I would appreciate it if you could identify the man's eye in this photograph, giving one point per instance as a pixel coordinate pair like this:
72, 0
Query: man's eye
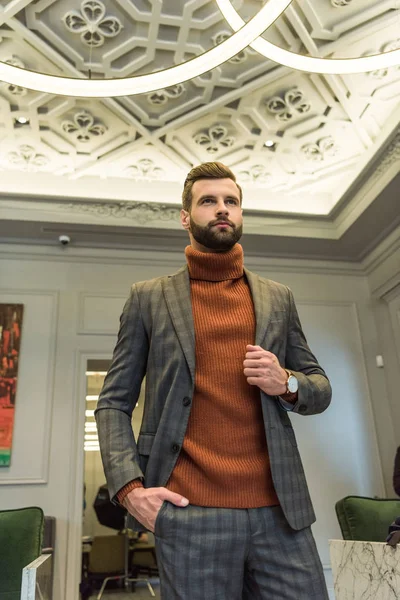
232, 201
207, 200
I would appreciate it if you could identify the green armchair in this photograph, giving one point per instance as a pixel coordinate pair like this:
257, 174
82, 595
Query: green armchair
21, 534
366, 519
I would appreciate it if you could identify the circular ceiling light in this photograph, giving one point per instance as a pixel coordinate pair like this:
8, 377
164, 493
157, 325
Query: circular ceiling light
333, 66
140, 84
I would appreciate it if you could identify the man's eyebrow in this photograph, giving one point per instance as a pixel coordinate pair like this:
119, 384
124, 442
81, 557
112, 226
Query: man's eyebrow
229, 197
206, 196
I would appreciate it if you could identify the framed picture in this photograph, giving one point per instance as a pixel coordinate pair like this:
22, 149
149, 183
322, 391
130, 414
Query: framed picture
10, 339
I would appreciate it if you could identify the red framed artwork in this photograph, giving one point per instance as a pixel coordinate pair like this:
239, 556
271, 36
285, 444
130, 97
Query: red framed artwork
10, 339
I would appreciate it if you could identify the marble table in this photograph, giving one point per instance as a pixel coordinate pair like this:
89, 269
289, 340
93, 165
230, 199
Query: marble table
365, 570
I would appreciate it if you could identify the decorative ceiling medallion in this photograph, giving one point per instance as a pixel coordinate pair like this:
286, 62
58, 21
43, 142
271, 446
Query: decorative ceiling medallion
163, 96
382, 73
140, 212
144, 169
16, 90
255, 174
83, 127
241, 57
214, 139
320, 150
27, 159
92, 24
340, 3
285, 107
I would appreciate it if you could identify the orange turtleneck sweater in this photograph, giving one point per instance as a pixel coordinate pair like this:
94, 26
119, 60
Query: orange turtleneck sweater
224, 457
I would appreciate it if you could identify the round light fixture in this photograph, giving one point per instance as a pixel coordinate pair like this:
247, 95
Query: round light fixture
22, 120
269, 143
334, 66
140, 84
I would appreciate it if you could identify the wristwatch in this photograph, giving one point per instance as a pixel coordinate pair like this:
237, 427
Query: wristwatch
292, 384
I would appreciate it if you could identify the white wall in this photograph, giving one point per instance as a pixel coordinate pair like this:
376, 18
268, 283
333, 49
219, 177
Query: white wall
383, 268
73, 299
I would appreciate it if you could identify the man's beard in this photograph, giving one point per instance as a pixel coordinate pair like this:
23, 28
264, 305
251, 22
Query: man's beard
216, 239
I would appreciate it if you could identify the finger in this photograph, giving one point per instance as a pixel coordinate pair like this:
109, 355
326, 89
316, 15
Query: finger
252, 348
253, 373
174, 498
253, 380
261, 354
255, 364
255, 354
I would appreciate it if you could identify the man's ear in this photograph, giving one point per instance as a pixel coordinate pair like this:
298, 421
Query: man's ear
185, 219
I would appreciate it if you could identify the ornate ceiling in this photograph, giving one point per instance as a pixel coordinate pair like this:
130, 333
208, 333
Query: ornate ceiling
315, 154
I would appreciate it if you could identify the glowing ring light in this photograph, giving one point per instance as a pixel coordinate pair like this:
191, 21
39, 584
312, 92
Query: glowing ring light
140, 84
334, 66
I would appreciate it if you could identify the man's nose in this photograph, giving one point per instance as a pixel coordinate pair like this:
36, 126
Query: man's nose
222, 209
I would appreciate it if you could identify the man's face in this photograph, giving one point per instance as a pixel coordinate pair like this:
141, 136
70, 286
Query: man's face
215, 221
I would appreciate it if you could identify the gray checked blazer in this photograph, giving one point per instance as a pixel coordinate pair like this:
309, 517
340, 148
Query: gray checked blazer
156, 339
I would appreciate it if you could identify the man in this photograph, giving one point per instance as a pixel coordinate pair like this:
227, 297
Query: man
215, 472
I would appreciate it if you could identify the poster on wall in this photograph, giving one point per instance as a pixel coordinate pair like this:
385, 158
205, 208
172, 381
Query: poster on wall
10, 339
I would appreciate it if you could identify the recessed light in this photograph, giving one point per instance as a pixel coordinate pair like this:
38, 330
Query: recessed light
22, 120
269, 143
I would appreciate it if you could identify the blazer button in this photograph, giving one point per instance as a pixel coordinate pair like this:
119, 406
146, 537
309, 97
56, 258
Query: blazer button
186, 401
175, 448
302, 408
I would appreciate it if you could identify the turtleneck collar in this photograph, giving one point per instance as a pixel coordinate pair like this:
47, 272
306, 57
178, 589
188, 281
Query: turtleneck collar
215, 266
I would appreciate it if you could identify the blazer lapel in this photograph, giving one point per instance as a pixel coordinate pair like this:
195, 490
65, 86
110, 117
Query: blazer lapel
179, 304
262, 304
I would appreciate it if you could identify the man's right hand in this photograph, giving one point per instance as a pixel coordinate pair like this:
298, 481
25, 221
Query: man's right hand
144, 503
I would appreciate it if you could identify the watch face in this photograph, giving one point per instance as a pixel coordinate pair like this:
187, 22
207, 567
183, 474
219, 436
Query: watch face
292, 384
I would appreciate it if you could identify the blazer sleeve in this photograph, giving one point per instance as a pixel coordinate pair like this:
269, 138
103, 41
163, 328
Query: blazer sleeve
118, 399
314, 394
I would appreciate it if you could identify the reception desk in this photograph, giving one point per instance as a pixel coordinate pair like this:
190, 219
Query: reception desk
365, 570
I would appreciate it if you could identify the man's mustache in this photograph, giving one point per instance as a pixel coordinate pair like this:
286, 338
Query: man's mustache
222, 221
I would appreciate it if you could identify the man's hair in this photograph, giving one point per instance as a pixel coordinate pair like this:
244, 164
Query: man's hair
208, 170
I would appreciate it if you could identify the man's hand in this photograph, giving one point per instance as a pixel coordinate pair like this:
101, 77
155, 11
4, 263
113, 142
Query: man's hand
144, 504
262, 368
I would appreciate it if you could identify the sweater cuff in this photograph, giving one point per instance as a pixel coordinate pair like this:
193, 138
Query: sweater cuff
132, 485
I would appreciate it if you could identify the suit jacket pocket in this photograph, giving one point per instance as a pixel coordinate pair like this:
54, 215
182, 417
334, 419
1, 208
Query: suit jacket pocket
157, 523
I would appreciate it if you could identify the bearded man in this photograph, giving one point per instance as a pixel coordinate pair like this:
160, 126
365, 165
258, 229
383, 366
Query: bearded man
215, 472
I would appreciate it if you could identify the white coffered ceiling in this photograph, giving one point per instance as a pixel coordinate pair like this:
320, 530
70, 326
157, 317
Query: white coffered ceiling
111, 170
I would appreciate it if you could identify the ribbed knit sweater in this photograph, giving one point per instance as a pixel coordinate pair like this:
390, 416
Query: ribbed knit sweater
224, 457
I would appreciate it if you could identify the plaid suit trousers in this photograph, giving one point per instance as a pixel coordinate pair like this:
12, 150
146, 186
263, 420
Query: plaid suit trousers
235, 554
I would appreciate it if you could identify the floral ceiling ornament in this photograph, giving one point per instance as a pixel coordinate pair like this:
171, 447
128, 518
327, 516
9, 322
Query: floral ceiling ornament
318, 151
83, 126
139, 212
16, 90
144, 169
286, 107
214, 139
92, 24
163, 96
382, 73
340, 3
241, 57
27, 159
255, 174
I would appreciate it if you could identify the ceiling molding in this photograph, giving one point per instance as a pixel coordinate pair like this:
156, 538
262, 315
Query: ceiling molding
112, 170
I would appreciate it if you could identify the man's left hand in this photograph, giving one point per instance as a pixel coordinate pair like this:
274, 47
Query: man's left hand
262, 368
